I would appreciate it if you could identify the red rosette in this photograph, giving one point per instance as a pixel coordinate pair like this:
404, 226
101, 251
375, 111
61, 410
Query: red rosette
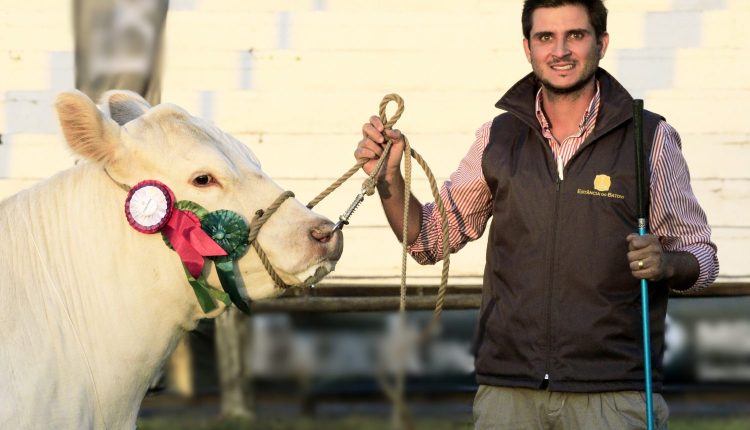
149, 206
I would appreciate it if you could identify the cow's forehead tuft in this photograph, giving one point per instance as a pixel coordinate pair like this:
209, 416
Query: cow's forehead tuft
167, 111
179, 127
174, 119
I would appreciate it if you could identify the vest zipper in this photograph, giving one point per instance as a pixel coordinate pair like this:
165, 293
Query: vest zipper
558, 183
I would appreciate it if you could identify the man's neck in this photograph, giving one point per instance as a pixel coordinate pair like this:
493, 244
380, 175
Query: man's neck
564, 111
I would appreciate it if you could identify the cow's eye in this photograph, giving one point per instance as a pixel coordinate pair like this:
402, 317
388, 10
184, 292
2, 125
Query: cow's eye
204, 180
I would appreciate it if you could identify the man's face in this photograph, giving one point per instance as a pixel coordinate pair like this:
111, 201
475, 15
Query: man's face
563, 50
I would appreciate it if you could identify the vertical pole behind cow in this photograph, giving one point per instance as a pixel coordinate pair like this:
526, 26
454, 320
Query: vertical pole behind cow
233, 354
642, 230
118, 45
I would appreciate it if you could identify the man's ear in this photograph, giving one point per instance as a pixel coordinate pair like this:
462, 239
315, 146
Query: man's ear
603, 44
88, 132
123, 106
527, 49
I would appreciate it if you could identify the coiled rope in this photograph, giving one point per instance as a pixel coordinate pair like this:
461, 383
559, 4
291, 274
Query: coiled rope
395, 391
370, 183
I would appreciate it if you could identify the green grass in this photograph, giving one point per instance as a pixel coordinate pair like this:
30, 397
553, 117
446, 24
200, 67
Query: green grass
366, 423
710, 424
353, 423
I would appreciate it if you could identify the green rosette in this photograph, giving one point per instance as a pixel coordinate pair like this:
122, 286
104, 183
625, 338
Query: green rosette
231, 232
187, 205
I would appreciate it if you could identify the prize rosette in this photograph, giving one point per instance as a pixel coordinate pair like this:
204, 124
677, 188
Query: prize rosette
195, 234
149, 206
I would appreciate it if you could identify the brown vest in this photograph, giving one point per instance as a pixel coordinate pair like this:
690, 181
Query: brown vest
559, 298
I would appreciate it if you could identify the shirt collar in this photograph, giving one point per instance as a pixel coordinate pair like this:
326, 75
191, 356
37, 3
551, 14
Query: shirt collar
588, 116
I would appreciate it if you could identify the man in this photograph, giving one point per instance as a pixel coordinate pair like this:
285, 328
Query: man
558, 341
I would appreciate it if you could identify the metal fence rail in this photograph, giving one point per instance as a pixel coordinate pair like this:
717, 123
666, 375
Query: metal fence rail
376, 298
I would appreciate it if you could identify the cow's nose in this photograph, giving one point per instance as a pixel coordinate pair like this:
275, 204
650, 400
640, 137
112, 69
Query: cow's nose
322, 233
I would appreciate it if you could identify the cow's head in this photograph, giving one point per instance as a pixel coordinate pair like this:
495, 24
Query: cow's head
134, 142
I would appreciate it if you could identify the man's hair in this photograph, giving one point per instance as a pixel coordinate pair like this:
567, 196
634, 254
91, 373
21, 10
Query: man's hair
595, 8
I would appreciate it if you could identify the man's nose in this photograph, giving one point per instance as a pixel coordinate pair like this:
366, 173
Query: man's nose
561, 48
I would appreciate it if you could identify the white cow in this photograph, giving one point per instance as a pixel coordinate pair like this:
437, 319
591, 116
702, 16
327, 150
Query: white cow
90, 308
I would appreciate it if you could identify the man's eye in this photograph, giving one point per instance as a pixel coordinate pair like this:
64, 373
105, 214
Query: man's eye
204, 180
576, 35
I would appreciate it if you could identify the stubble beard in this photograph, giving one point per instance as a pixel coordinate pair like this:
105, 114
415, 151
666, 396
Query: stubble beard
572, 89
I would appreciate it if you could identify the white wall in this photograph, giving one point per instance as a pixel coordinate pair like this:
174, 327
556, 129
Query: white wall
295, 79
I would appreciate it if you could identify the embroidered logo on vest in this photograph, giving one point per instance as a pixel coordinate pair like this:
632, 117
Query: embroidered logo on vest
602, 183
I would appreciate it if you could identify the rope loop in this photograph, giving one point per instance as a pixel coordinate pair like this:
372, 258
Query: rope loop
389, 123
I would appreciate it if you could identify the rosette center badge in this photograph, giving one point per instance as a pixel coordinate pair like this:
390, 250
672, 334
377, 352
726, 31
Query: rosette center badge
149, 206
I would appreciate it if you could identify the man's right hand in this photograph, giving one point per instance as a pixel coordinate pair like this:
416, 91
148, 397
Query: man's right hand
390, 182
372, 145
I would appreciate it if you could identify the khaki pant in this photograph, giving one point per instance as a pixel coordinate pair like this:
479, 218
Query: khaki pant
497, 408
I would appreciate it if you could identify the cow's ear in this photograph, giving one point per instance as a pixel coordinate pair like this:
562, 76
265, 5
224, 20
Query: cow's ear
88, 131
123, 106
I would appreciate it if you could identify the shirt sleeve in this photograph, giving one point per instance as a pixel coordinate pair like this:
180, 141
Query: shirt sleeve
675, 215
468, 204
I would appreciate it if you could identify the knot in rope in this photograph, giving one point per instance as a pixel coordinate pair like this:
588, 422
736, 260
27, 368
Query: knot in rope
368, 186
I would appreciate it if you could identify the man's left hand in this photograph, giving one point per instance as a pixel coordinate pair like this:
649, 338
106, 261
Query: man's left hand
647, 258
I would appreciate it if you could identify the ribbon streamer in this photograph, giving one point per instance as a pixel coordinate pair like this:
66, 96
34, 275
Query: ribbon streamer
205, 294
184, 232
225, 270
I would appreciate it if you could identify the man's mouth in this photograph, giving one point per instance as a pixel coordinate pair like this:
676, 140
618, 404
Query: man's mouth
562, 67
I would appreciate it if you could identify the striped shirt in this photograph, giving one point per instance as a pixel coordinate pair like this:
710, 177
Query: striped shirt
675, 215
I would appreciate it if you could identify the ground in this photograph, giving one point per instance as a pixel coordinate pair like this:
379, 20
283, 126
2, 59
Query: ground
165, 412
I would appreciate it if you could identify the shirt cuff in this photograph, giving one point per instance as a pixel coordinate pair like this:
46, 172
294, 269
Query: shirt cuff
423, 249
708, 266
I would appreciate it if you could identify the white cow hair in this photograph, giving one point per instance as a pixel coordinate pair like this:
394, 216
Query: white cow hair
79, 304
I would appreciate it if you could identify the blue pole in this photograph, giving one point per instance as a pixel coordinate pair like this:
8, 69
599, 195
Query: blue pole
642, 230
646, 339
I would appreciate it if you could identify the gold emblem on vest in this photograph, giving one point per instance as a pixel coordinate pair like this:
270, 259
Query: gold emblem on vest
602, 183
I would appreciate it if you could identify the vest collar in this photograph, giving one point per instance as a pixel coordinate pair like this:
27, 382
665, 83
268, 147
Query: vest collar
615, 108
